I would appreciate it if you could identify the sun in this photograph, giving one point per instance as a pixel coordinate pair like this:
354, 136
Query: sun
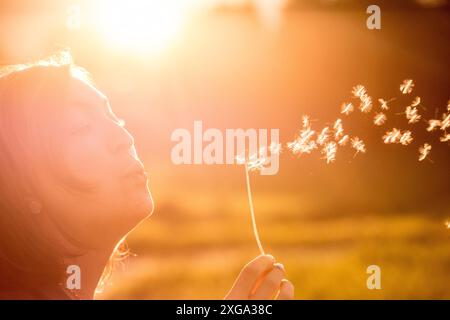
143, 25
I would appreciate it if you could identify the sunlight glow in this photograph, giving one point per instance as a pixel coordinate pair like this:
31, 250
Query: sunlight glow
143, 25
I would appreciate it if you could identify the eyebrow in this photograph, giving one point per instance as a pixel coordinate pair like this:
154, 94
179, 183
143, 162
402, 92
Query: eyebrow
89, 105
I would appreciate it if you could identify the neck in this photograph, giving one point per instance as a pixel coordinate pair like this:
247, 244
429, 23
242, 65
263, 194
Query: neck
90, 265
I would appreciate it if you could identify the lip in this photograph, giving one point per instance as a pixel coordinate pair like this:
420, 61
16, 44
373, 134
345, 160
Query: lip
136, 170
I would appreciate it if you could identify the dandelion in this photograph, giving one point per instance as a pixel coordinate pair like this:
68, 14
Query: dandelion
358, 145
347, 108
358, 91
412, 114
407, 86
366, 104
445, 137
256, 162
323, 137
379, 119
424, 151
433, 124
338, 129
330, 150
406, 138
392, 136
343, 141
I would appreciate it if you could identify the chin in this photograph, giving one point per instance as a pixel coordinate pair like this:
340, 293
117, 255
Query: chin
142, 205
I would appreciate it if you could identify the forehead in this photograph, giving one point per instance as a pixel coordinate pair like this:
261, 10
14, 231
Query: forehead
80, 90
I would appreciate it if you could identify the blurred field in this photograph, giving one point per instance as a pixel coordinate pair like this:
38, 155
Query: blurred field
183, 253
325, 223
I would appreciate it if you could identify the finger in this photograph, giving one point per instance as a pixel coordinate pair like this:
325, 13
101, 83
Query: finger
249, 275
286, 290
270, 284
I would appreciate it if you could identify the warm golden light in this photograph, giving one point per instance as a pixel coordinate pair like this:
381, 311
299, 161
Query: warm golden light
147, 26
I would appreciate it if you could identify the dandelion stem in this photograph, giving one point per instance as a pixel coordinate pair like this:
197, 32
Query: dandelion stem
252, 212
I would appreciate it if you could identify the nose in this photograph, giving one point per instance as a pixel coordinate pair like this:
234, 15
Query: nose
120, 140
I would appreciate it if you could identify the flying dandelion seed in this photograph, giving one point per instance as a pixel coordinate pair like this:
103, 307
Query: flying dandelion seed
424, 151
406, 138
303, 143
433, 124
445, 123
323, 137
445, 137
358, 145
329, 150
347, 108
384, 104
306, 122
366, 104
392, 136
415, 102
344, 140
358, 91
412, 114
338, 129
379, 119
407, 86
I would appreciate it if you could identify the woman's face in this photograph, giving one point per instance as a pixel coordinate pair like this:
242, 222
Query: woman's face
99, 153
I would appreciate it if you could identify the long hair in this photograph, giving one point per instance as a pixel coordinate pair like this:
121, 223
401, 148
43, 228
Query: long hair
31, 97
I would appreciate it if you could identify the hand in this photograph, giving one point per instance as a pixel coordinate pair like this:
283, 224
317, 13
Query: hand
261, 279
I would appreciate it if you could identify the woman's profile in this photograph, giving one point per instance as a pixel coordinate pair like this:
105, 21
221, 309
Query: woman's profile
72, 187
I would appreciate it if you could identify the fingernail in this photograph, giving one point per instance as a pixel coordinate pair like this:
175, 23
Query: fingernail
279, 266
270, 257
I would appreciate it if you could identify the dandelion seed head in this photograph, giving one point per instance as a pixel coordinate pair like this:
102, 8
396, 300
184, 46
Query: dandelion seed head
306, 121
366, 104
445, 137
424, 151
379, 119
347, 108
329, 150
392, 136
412, 114
338, 129
433, 124
383, 104
445, 123
358, 145
406, 138
358, 91
407, 86
415, 102
343, 141
323, 136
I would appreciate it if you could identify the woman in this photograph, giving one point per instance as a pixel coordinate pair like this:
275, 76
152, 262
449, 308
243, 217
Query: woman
72, 187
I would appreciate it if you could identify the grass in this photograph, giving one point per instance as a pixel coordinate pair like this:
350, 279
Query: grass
185, 253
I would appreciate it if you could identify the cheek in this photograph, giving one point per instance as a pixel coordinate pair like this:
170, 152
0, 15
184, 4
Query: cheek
86, 159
